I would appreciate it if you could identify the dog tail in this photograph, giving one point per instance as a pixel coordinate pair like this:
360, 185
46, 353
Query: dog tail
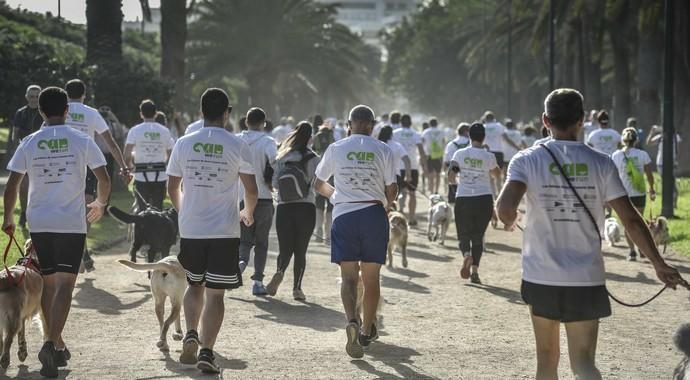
145, 267
122, 216
682, 339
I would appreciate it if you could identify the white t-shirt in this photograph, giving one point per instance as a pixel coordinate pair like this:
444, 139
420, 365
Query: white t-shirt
588, 128
152, 142
409, 138
474, 178
362, 167
453, 146
640, 158
660, 151
529, 140
542, 140
55, 160
560, 244
434, 142
195, 126
494, 136
399, 152
85, 119
516, 137
280, 133
604, 140
264, 150
209, 162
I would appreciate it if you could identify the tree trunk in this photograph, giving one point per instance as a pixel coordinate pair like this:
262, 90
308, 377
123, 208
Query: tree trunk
649, 61
620, 33
173, 40
103, 31
682, 82
593, 32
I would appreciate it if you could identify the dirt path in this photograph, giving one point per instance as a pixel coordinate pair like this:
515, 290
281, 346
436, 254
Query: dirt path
437, 326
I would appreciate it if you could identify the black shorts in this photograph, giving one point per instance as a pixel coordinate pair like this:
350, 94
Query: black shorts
434, 166
213, 262
58, 252
499, 159
412, 185
639, 202
567, 303
91, 183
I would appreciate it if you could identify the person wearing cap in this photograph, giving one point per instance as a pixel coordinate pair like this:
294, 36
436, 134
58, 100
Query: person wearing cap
365, 187
605, 139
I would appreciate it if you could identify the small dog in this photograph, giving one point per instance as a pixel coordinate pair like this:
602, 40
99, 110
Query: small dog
660, 233
157, 229
682, 341
398, 236
20, 301
612, 231
168, 280
440, 216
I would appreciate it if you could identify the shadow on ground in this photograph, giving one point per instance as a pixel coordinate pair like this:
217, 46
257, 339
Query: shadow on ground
305, 314
408, 285
90, 297
509, 295
396, 357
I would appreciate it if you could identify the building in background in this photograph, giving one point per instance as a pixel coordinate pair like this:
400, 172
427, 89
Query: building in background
153, 26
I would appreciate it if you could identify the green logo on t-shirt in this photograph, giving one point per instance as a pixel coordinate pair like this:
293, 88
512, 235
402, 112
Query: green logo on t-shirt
571, 170
606, 138
360, 156
77, 117
474, 162
152, 135
54, 145
210, 150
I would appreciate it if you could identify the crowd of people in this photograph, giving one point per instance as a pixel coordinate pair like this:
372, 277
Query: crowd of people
334, 182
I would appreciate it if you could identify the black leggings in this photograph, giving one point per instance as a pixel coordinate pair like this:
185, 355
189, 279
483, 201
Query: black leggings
294, 225
472, 217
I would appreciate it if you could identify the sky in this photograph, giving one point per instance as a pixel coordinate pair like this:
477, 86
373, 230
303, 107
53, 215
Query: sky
74, 10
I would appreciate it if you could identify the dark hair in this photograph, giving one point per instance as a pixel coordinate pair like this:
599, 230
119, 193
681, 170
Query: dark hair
462, 128
269, 126
161, 118
395, 117
297, 140
529, 131
425, 126
386, 133
603, 117
433, 122
52, 101
242, 123
406, 120
510, 124
148, 108
564, 107
362, 113
255, 116
385, 116
214, 103
631, 121
477, 132
318, 121
545, 132
75, 88
489, 116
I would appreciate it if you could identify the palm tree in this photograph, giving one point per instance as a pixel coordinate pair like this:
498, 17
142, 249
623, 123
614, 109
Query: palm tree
103, 31
173, 41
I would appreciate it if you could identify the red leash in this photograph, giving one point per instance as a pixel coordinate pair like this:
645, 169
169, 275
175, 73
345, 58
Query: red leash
4, 260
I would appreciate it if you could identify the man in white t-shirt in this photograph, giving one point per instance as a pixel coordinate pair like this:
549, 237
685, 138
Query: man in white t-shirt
210, 164
591, 125
495, 141
147, 149
461, 141
195, 126
403, 169
512, 142
365, 186
434, 142
55, 159
562, 265
412, 141
656, 137
605, 139
263, 150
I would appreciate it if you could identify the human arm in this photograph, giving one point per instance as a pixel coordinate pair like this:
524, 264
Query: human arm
97, 207
510, 142
650, 180
654, 135
251, 196
508, 202
324, 188
391, 194
129, 157
408, 168
422, 155
174, 191
117, 155
10, 200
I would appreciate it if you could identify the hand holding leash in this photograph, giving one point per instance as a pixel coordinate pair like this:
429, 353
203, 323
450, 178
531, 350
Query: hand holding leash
96, 210
126, 174
246, 218
670, 276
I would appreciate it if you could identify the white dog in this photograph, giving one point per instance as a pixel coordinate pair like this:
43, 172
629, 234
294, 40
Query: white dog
612, 231
440, 216
167, 280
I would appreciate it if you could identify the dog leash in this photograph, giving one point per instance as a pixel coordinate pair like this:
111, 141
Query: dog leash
4, 259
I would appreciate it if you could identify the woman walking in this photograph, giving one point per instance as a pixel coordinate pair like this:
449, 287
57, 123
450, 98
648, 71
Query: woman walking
293, 178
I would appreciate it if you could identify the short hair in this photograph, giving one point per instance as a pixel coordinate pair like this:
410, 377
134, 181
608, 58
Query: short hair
386, 133
52, 101
385, 117
425, 125
477, 132
255, 116
629, 136
395, 117
75, 88
148, 108
603, 117
509, 123
214, 103
362, 113
433, 122
161, 118
631, 121
564, 107
489, 116
406, 120
33, 87
462, 128
318, 121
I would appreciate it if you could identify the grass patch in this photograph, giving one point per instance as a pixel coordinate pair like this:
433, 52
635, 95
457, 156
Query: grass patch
679, 227
4, 135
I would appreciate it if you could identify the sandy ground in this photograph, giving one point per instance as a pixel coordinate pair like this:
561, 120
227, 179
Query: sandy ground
436, 325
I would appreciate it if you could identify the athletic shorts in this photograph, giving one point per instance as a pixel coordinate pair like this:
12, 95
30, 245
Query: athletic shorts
434, 166
58, 252
412, 185
499, 159
211, 262
639, 202
567, 303
360, 235
91, 183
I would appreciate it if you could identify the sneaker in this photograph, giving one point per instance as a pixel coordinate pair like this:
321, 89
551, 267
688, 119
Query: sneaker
68, 355
632, 257
272, 287
412, 223
206, 361
190, 345
258, 289
466, 266
47, 358
365, 340
298, 295
353, 348
60, 358
243, 266
475, 278
88, 261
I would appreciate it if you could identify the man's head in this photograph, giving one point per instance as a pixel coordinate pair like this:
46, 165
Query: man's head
76, 89
477, 132
318, 121
489, 117
215, 106
52, 103
32, 95
386, 133
406, 121
593, 115
425, 126
564, 110
385, 118
510, 124
463, 129
362, 120
631, 123
395, 117
629, 137
433, 122
256, 118
603, 119
161, 118
147, 109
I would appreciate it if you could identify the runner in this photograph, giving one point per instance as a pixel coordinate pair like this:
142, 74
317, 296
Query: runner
461, 141
324, 208
656, 137
56, 159
434, 143
562, 265
513, 142
631, 163
529, 136
495, 140
364, 172
263, 151
591, 125
147, 151
605, 139
195, 126
412, 141
404, 172
295, 214
473, 166
210, 164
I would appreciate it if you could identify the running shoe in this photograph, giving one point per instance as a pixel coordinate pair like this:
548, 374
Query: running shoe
258, 289
353, 348
298, 295
243, 266
466, 266
365, 340
190, 345
475, 278
206, 361
47, 358
272, 287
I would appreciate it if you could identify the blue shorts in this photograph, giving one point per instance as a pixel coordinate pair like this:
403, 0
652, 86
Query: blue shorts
360, 235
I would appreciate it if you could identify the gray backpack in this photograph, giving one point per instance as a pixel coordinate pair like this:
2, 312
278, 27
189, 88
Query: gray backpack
293, 183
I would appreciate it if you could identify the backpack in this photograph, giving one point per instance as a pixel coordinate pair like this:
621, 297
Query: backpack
436, 151
293, 183
322, 140
635, 175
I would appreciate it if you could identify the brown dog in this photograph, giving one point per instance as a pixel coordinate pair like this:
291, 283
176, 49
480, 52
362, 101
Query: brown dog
659, 228
398, 236
20, 301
